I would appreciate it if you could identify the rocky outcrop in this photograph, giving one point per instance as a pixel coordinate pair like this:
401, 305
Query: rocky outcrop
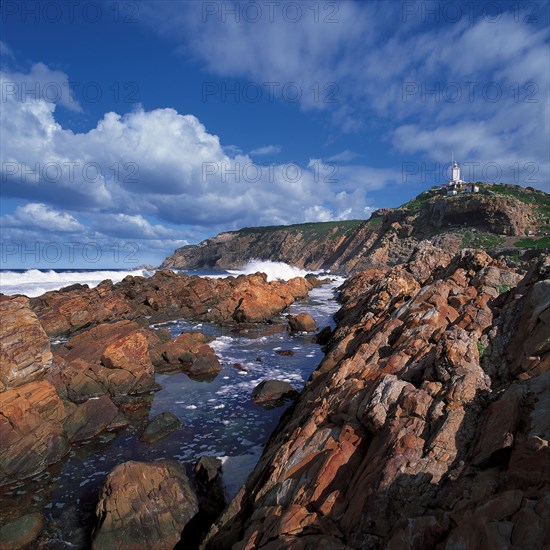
20, 533
144, 505
188, 352
167, 295
32, 436
425, 425
25, 353
110, 358
388, 238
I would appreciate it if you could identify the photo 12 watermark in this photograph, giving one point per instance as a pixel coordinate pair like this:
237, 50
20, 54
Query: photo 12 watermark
70, 172
69, 11
436, 11
469, 92
270, 92
69, 252
25, 91
489, 172
250, 172
270, 12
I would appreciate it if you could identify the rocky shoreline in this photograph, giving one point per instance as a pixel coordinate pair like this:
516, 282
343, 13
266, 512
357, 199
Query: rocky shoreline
425, 426
102, 371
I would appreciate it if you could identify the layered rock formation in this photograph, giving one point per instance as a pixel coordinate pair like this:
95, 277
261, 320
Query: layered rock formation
167, 295
425, 426
498, 214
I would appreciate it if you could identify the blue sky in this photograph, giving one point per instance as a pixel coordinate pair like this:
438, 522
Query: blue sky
131, 128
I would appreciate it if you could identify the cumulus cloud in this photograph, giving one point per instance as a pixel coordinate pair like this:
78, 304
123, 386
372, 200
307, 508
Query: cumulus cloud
152, 176
37, 216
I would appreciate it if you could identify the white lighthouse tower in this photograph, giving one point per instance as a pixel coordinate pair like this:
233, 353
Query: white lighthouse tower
456, 182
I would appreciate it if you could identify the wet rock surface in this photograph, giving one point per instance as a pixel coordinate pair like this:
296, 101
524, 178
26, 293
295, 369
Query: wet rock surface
425, 425
272, 392
144, 505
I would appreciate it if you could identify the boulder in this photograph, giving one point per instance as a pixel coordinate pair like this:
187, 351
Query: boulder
271, 392
92, 418
144, 505
20, 533
303, 322
207, 366
25, 353
159, 427
210, 487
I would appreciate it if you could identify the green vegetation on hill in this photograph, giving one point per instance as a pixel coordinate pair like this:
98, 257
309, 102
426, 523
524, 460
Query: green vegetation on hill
481, 239
311, 231
529, 242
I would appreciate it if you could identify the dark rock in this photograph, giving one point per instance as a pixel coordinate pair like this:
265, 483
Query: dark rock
323, 336
20, 533
207, 469
92, 418
162, 425
207, 366
284, 352
270, 392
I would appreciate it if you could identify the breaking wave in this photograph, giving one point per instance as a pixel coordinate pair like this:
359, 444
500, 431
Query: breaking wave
35, 282
274, 270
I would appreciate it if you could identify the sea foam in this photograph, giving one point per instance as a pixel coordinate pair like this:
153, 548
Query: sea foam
274, 270
35, 282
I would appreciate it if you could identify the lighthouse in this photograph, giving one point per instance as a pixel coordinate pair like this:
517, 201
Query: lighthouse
455, 173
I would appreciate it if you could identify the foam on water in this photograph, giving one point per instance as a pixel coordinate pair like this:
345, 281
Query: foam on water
35, 282
274, 270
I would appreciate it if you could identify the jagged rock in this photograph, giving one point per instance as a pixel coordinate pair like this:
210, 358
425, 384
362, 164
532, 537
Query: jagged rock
31, 430
159, 427
270, 392
167, 295
111, 357
207, 469
303, 322
25, 353
408, 435
20, 533
188, 352
144, 505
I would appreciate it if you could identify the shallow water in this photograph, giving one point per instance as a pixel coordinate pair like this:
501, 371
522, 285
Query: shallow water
218, 419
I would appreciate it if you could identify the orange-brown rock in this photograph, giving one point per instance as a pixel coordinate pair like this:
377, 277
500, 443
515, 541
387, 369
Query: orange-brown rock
188, 352
25, 353
144, 505
303, 322
31, 430
111, 357
167, 295
404, 437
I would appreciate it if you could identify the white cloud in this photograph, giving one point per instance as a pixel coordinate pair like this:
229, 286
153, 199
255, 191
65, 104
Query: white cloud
266, 150
344, 156
37, 216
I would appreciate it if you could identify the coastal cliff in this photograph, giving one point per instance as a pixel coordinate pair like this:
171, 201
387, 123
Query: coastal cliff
504, 219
